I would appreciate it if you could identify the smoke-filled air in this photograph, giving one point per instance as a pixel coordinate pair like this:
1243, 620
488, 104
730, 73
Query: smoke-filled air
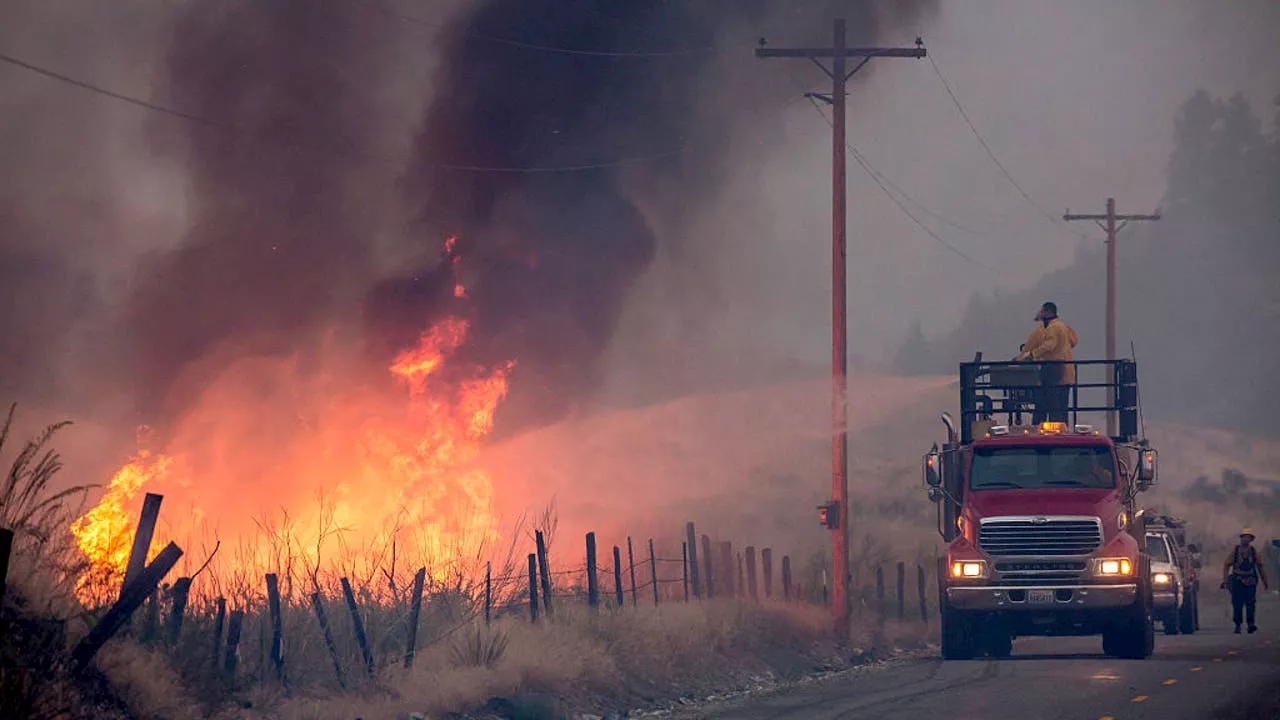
363, 286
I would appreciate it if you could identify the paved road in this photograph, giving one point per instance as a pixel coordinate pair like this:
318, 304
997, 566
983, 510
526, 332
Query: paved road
1053, 679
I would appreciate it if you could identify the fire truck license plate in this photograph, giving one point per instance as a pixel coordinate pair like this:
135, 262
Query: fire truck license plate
1040, 597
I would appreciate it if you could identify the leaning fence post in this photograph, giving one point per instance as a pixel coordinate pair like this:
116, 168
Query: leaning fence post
920, 590
181, 589
709, 567
751, 574
617, 574
902, 594
358, 625
631, 565
541, 543
533, 587
234, 625
277, 629
653, 572
142, 539
685, 567
415, 612
135, 593
766, 568
6, 547
317, 604
741, 584
219, 619
786, 578
488, 592
691, 562
593, 587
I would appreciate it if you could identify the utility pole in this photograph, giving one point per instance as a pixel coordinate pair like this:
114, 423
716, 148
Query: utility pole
839, 53
1107, 221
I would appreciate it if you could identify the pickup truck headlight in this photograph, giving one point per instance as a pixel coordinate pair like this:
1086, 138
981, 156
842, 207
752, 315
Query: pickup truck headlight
1113, 567
969, 569
1162, 578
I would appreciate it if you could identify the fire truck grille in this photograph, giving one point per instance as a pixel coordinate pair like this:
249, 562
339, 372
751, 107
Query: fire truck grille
1040, 537
1036, 573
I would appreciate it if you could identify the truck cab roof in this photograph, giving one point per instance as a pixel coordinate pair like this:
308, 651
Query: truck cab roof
1040, 435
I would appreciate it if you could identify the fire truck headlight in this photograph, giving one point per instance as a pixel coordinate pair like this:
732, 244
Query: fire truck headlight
968, 569
1161, 579
1113, 566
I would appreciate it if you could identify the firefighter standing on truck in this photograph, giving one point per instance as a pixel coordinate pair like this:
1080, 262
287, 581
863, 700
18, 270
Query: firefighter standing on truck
1240, 574
1052, 343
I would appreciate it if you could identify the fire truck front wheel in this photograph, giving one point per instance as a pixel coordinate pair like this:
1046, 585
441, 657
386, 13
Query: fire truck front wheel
958, 635
1133, 637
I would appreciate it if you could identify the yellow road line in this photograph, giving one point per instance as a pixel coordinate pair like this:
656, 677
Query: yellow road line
1170, 681
1196, 669
1217, 659
1106, 717
1139, 698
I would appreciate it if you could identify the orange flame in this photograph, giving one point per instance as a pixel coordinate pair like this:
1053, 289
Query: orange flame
356, 465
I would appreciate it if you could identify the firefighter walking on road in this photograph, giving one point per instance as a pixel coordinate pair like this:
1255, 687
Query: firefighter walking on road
1240, 575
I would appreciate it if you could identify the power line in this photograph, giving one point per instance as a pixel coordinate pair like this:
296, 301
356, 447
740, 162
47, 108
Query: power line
445, 28
990, 153
190, 117
875, 177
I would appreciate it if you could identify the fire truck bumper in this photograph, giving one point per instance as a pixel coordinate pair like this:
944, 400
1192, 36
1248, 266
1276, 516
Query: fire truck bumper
1042, 598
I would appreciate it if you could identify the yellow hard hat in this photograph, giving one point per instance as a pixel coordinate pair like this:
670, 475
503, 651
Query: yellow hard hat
1249, 532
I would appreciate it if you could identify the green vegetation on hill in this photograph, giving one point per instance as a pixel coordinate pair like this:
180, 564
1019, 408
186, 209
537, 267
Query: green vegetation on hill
1198, 294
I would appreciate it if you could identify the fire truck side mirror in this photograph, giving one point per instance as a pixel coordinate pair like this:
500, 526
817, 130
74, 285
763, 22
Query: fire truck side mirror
936, 494
932, 471
829, 515
1146, 467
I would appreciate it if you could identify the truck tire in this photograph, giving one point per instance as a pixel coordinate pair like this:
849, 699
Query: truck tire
999, 643
1133, 637
958, 642
1187, 614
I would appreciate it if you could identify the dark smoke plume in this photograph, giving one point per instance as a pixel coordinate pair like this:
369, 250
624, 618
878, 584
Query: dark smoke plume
281, 220
550, 256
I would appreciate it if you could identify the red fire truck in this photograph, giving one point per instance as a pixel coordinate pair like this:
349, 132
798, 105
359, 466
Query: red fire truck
1040, 521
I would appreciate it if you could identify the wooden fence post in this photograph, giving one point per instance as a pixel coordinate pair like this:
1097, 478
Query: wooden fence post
277, 626
415, 612
488, 592
708, 567
653, 572
684, 563
235, 624
593, 587
6, 547
181, 589
786, 578
880, 606
358, 625
544, 570
219, 620
740, 585
824, 587
726, 565
751, 574
691, 563
533, 587
617, 574
317, 604
920, 590
766, 568
136, 593
902, 594
142, 539
631, 565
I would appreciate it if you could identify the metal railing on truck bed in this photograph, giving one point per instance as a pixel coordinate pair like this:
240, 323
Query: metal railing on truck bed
989, 390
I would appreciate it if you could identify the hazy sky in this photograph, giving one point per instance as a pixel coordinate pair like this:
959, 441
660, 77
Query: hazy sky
1077, 100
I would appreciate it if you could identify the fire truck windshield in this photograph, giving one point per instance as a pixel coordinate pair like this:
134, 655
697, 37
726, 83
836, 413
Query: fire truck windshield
1004, 468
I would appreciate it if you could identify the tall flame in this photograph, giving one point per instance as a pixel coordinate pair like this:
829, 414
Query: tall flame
341, 470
